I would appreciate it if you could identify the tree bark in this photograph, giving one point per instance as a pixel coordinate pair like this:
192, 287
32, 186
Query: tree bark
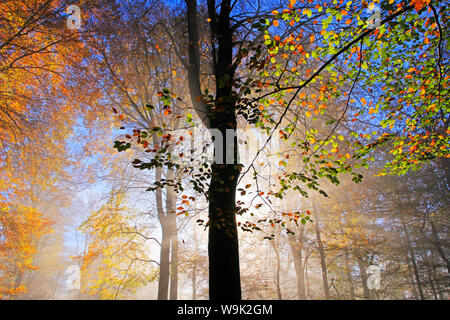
297, 253
348, 271
438, 244
223, 248
164, 259
413, 260
277, 271
171, 198
323, 264
364, 277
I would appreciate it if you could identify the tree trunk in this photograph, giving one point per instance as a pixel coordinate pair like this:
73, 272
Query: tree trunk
174, 265
438, 244
297, 253
277, 271
413, 261
323, 263
364, 277
171, 198
164, 259
223, 248
348, 271
431, 279
194, 267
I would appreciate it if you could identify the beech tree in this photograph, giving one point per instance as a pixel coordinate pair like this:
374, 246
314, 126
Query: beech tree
353, 53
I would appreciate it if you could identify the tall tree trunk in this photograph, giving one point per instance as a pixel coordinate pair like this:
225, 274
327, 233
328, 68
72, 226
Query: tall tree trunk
277, 271
223, 248
348, 271
164, 258
323, 264
363, 273
174, 265
296, 245
431, 279
194, 267
438, 244
171, 199
413, 260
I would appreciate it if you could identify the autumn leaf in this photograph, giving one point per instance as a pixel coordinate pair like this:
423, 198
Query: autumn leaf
419, 4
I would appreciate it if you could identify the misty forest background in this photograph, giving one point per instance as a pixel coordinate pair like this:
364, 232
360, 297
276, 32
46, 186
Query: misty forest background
99, 180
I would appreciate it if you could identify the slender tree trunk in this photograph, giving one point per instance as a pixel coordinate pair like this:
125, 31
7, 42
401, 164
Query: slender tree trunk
171, 199
411, 278
438, 244
174, 266
297, 253
348, 271
364, 277
428, 264
164, 264
277, 271
194, 267
164, 258
413, 261
323, 264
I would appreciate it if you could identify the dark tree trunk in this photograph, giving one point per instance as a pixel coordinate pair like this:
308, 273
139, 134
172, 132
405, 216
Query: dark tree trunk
223, 249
